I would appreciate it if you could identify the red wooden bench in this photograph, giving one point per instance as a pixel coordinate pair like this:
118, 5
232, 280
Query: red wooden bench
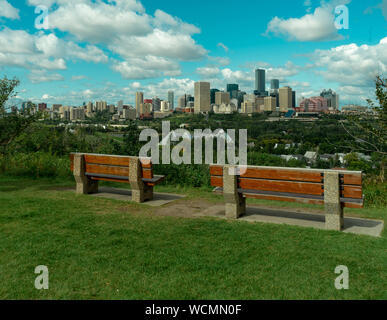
335, 189
89, 168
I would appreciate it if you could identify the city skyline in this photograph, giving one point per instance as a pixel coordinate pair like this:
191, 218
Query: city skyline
176, 46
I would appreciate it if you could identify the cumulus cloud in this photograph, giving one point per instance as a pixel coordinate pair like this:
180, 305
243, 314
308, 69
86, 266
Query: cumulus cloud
220, 44
145, 46
352, 64
39, 76
147, 67
316, 26
21, 49
8, 11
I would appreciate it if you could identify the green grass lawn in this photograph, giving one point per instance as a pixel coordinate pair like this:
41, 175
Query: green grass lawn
106, 249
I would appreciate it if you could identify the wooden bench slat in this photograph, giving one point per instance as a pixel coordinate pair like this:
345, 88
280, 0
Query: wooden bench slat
147, 174
289, 197
107, 160
290, 175
352, 179
306, 175
355, 192
103, 169
282, 186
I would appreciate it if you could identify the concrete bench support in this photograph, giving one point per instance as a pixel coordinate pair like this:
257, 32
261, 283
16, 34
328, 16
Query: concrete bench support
334, 217
140, 191
84, 184
235, 202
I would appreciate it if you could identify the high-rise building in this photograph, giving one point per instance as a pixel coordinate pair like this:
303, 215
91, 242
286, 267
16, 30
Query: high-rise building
139, 101
42, 106
182, 102
146, 107
274, 84
89, 108
202, 102
120, 105
171, 99
332, 98
165, 106
156, 104
222, 97
232, 89
294, 103
55, 107
285, 99
314, 104
270, 104
260, 78
101, 105
212, 94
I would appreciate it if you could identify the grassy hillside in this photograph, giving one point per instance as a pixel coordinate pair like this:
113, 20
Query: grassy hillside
106, 249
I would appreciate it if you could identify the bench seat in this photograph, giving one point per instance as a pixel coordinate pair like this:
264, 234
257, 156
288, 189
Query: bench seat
335, 189
90, 168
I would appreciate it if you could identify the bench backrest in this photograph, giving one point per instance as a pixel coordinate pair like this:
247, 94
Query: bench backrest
114, 166
291, 180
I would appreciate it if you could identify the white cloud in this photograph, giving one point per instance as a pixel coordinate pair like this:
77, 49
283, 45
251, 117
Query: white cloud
208, 72
147, 46
80, 77
223, 46
316, 26
21, 49
38, 76
103, 22
8, 11
352, 65
147, 67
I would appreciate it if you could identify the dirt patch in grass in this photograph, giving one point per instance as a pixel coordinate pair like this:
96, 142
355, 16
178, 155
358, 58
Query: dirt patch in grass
190, 208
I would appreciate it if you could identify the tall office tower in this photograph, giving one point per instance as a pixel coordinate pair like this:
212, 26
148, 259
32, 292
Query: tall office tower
165, 106
139, 102
182, 102
156, 104
89, 108
285, 99
332, 97
120, 105
171, 99
270, 104
294, 103
274, 84
112, 108
42, 106
202, 102
260, 79
232, 89
212, 94
146, 107
222, 97
55, 107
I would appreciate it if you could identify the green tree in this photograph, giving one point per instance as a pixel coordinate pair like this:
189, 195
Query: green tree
12, 124
369, 131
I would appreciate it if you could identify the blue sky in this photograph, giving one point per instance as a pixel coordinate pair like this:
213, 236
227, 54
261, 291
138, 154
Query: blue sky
108, 50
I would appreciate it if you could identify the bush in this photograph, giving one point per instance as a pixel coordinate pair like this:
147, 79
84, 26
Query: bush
38, 164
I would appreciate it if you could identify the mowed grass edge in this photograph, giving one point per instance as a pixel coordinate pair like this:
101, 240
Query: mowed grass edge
105, 249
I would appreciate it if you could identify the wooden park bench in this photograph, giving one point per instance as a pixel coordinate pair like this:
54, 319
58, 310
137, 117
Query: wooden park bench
89, 168
335, 189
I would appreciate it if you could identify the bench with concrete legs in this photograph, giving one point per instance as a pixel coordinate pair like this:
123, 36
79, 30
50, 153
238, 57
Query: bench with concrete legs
89, 168
335, 189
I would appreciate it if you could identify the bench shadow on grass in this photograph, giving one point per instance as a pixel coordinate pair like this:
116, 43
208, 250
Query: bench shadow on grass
313, 218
